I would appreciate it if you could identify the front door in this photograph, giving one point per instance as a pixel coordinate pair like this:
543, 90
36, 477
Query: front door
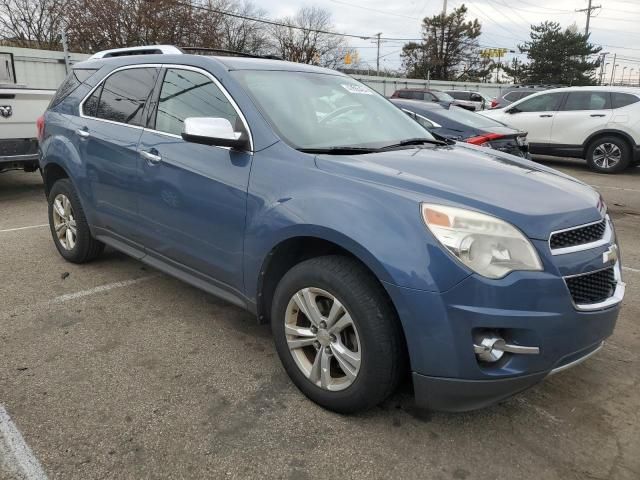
534, 115
194, 196
583, 113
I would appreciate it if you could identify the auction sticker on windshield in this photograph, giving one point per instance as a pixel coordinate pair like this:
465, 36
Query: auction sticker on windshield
357, 89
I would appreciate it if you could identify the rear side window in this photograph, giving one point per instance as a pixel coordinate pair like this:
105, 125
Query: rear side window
122, 96
619, 100
587, 101
187, 94
404, 94
73, 81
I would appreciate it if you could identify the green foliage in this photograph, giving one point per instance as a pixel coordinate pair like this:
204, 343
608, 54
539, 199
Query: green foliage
558, 57
449, 48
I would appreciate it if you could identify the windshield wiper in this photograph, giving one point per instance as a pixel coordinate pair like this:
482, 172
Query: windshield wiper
413, 141
343, 150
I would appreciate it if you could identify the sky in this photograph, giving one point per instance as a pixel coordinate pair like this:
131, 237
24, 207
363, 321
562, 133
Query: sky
505, 23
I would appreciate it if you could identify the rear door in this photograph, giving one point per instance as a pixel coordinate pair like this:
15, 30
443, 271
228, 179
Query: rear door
194, 196
106, 135
534, 115
582, 113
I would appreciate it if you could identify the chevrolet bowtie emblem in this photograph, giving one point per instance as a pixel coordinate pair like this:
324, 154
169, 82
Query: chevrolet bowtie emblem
611, 255
5, 111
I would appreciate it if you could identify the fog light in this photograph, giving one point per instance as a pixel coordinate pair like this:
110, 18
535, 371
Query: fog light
490, 347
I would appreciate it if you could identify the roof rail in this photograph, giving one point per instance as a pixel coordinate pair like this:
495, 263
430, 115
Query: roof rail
229, 53
142, 50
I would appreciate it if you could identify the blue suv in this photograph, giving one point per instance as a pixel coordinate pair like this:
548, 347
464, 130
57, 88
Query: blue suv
374, 250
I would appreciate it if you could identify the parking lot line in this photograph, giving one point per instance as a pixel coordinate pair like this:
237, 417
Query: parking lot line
100, 288
616, 188
629, 269
24, 228
15, 454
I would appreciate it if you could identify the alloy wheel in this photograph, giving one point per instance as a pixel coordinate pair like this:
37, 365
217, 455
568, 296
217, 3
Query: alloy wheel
607, 155
64, 222
323, 339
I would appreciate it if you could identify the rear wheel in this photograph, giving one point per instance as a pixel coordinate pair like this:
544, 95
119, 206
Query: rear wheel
337, 334
608, 155
69, 227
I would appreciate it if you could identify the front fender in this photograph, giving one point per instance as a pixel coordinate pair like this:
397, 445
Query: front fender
290, 197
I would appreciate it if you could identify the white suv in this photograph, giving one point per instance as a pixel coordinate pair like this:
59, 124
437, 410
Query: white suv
601, 124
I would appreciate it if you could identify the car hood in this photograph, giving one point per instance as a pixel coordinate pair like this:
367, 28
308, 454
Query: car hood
536, 199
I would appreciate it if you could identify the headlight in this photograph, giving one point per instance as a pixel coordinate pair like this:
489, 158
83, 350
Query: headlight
487, 245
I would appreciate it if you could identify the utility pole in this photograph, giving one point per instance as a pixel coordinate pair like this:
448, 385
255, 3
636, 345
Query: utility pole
589, 9
444, 8
613, 69
603, 55
378, 54
65, 49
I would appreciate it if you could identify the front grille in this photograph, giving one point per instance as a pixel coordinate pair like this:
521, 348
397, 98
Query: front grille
592, 287
578, 236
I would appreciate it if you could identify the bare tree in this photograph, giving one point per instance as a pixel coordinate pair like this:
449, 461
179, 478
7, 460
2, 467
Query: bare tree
304, 40
32, 23
242, 34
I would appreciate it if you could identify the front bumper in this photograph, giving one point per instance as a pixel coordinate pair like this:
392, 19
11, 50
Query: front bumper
525, 308
460, 395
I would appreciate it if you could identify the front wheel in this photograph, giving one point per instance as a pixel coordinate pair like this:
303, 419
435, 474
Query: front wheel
337, 334
608, 155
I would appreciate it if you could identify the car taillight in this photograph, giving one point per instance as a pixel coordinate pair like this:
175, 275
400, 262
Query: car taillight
494, 103
40, 127
482, 139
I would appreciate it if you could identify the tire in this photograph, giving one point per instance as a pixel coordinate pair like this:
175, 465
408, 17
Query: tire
84, 247
374, 335
609, 154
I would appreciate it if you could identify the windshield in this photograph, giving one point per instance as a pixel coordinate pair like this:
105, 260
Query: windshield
319, 111
468, 118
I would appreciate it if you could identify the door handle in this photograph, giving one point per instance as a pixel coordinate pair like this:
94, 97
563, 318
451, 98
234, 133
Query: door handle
597, 114
151, 157
82, 133
546, 116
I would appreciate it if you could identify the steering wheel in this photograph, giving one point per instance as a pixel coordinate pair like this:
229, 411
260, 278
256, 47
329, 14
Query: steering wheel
340, 111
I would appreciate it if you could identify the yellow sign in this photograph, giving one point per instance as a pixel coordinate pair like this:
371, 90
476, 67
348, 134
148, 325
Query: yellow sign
493, 52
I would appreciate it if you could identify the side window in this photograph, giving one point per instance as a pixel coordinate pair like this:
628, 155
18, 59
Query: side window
90, 106
620, 100
404, 94
186, 94
587, 101
548, 102
124, 95
73, 81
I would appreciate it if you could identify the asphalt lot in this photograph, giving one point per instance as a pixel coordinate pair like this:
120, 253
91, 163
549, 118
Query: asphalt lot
117, 371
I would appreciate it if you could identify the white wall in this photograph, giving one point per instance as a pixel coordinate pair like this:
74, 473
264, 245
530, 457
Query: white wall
40, 68
387, 85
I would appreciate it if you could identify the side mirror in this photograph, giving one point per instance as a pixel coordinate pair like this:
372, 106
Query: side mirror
213, 131
512, 110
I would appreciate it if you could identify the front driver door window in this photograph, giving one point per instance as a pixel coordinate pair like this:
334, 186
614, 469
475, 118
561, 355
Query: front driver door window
535, 115
195, 195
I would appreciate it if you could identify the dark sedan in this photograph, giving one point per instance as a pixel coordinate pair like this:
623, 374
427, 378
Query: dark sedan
455, 123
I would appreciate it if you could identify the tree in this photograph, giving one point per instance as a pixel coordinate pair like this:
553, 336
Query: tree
448, 41
515, 70
559, 57
241, 34
303, 38
32, 23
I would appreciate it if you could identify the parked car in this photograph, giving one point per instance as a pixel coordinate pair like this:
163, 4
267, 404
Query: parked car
458, 124
469, 100
371, 247
424, 94
19, 109
516, 93
599, 124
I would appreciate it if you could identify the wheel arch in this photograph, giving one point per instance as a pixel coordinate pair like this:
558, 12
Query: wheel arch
51, 173
297, 248
605, 133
